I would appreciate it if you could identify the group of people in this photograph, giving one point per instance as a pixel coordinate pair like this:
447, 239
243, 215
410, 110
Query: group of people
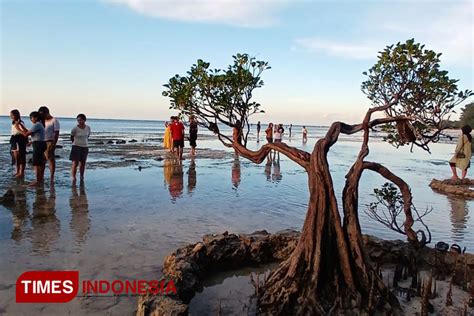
274, 133
43, 136
174, 136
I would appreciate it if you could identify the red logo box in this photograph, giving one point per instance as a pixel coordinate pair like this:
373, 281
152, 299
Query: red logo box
47, 286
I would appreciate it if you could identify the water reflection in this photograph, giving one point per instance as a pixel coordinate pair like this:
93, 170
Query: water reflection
236, 172
80, 222
167, 171
191, 176
276, 175
45, 226
20, 214
268, 169
173, 175
459, 217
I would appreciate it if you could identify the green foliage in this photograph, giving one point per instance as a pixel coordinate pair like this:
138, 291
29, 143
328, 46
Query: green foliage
389, 196
407, 81
389, 205
467, 115
217, 96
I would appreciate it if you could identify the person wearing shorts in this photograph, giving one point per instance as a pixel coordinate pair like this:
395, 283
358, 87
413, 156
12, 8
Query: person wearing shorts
80, 147
51, 127
177, 133
39, 146
18, 143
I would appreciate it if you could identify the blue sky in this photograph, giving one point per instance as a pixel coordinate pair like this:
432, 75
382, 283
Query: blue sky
110, 59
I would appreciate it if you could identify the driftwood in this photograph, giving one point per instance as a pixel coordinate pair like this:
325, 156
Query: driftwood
454, 187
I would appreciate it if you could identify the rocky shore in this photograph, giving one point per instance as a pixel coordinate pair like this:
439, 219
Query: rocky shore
399, 263
461, 188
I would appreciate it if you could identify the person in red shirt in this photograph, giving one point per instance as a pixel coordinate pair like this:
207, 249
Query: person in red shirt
177, 133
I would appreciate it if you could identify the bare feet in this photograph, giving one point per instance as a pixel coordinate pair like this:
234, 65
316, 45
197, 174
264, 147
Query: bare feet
74, 181
454, 178
33, 184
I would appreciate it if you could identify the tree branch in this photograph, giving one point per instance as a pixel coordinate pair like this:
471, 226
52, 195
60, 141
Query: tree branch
301, 157
406, 194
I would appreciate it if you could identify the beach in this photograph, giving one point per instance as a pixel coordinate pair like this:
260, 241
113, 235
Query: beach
138, 204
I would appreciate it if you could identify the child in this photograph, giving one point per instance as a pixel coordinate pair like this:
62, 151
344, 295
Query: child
18, 143
79, 151
37, 133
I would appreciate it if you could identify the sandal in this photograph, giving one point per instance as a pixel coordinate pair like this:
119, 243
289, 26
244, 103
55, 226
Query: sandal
442, 246
457, 248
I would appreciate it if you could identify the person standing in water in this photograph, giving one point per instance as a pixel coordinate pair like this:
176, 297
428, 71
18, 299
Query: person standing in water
289, 130
237, 135
193, 134
167, 139
51, 127
80, 147
177, 133
18, 143
39, 146
305, 134
258, 131
269, 133
462, 156
277, 137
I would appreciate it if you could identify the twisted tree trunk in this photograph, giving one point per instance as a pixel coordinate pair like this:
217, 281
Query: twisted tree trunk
328, 271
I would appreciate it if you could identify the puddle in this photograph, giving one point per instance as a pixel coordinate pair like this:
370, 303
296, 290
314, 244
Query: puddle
229, 293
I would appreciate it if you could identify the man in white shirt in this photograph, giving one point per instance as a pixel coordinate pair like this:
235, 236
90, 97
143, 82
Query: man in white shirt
51, 126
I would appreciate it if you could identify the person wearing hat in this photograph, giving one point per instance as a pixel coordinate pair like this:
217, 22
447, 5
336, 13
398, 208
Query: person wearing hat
462, 155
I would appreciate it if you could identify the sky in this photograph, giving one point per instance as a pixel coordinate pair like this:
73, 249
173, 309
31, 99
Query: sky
110, 59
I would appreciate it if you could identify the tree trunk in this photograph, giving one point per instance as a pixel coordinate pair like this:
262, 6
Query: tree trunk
327, 272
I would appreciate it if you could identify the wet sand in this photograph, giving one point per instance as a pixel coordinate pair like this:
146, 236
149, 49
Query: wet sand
123, 221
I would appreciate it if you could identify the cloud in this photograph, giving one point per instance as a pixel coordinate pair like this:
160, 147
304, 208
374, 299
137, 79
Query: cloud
339, 49
446, 27
259, 13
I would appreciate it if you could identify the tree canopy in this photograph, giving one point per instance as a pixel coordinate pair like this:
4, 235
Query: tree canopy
410, 78
217, 96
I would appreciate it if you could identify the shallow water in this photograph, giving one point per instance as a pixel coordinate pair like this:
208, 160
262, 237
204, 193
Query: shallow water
123, 221
230, 292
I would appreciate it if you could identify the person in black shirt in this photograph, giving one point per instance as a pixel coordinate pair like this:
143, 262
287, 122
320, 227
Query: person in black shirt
258, 131
193, 134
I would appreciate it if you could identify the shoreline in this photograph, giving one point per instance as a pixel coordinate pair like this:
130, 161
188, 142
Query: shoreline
127, 220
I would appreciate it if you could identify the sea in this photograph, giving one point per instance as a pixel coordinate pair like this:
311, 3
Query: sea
123, 221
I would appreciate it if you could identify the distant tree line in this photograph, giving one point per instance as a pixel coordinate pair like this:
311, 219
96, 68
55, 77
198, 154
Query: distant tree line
467, 117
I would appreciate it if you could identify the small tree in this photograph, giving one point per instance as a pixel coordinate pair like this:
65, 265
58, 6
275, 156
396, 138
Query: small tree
219, 96
329, 270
